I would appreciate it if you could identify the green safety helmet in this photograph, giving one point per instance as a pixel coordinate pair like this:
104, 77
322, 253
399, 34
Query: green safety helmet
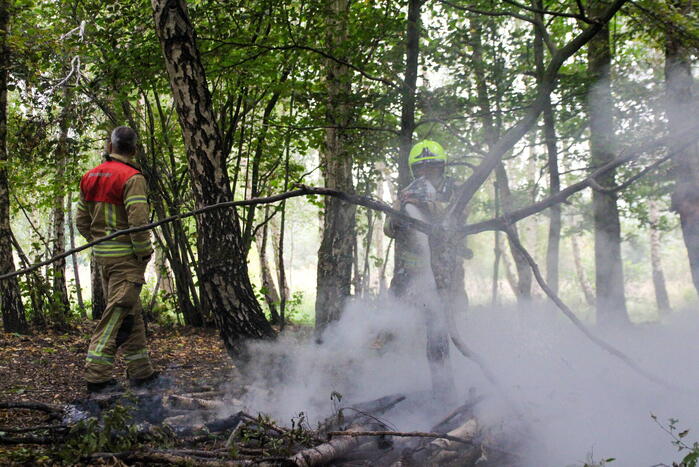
427, 152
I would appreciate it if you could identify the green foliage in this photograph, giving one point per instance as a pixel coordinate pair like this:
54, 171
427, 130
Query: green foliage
296, 312
264, 432
691, 458
112, 432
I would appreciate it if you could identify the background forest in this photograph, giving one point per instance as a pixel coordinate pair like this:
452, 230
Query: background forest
333, 94
571, 123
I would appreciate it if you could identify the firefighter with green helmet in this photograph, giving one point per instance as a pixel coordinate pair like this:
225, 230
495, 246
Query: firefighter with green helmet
430, 193
426, 198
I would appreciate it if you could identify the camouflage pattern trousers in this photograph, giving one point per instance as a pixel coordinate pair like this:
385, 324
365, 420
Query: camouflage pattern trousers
121, 325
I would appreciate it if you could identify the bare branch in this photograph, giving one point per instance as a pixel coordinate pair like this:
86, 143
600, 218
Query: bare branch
596, 186
486, 12
580, 17
574, 319
515, 133
535, 21
308, 49
301, 191
499, 223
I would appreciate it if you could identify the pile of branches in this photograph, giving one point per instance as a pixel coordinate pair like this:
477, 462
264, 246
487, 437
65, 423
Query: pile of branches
188, 429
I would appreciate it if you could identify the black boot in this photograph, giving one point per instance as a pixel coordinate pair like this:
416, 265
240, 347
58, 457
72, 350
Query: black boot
154, 381
104, 387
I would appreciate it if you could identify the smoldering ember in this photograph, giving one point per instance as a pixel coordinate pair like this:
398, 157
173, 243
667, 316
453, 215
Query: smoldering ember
379, 233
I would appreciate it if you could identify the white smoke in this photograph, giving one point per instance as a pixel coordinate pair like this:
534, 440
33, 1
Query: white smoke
578, 400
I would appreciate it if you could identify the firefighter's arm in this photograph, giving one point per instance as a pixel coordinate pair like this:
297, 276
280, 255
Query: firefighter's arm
136, 204
83, 219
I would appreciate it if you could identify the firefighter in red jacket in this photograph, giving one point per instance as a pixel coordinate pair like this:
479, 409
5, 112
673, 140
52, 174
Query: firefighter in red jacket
113, 196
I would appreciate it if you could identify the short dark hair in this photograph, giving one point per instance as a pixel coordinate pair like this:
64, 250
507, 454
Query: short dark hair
123, 141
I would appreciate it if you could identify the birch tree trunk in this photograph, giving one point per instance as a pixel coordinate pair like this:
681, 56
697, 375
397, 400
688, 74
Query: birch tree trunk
609, 275
224, 282
74, 258
335, 255
681, 112
13, 317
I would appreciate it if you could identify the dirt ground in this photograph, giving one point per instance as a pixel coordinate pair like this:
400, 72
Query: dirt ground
47, 367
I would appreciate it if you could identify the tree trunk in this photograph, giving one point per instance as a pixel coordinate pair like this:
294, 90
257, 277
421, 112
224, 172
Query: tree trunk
681, 113
74, 259
335, 255
609, 276
580, 273
524, 274
366, 267
507, 266
39, 288
60, 306
269, 289
357, 280
661, 297
497, 252
523, 290
407, 119
174, 239
13, 317
99, 301
408, 91
554, 236
224, 281
378, 240
277, 233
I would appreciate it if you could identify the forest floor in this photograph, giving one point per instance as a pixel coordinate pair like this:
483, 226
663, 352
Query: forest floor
184, 424
47, 367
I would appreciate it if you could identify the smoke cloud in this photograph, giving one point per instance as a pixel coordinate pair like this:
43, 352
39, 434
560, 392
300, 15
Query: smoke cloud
578, 401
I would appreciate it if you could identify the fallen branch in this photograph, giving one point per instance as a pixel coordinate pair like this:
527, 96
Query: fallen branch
51, 409
458, 412
227, 423
28, 429
26, 440
402, 434
195, 403
203, 395
326, 452
369, 409
574, 319
165, 457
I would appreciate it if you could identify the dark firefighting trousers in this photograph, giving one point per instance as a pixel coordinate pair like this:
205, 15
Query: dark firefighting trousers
121, 325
